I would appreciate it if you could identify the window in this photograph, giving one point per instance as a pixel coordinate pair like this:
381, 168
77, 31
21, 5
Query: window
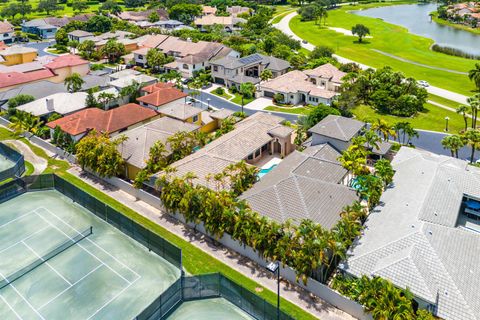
250, 156
195, 118
140, 57
185, 66
6, 35
257, 153
215, 68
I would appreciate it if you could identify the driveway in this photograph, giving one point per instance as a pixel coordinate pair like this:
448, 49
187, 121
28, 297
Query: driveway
40, 46
259, 104
284, 26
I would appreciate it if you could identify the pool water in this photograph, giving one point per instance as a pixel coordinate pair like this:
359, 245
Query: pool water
263, 172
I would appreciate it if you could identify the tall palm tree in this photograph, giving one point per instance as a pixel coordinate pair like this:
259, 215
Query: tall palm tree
453, 143
74, 82
384, 170
474, 75
462, 109
383, 128
474, 103
472, 138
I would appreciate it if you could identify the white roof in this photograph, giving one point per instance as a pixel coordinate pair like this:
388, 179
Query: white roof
414, 240
129, 80
62, 103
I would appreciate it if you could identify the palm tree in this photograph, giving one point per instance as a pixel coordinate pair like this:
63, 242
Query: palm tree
462, 109
372, 139
383, 128
74, 82
25, 122
453, 143
474, 75
472, 138
105, 98
384, 170
353, 161
247, 90
474, 103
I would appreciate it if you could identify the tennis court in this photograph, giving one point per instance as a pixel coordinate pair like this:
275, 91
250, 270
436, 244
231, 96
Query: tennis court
5, 163
209, 309
105, 275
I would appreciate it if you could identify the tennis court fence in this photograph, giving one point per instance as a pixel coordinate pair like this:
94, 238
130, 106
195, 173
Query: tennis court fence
207, 286
19, 163
151, 240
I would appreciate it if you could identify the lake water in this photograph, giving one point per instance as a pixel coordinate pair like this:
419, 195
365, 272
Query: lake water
415, 17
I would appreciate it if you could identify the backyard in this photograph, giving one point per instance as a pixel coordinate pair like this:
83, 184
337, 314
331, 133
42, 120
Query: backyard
388, 45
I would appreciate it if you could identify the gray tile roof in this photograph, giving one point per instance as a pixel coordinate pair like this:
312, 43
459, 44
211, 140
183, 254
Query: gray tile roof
178, 109
40, 89
249, 135
135, 150
269, 62
338, 127
301, 187
221, 114
413, 239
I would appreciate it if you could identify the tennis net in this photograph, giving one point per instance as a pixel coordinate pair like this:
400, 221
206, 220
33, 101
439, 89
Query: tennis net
49, 255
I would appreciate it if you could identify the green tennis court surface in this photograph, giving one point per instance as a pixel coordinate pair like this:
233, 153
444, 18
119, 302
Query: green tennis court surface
105, 275
209, 309
5, 163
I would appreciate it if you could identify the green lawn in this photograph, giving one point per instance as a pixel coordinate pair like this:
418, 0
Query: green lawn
195, 261
288, 110
444, 101
391, 39
225, 95
432, 119
28, 168
238, 99
280, 16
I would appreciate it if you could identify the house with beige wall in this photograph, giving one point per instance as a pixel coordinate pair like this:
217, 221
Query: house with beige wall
17, 55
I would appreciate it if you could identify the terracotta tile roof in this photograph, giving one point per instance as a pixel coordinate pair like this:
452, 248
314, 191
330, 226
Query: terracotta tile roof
68, 60
103, 121
8, 79
162, 96
327, 71
158, 86
142, 15
209, 10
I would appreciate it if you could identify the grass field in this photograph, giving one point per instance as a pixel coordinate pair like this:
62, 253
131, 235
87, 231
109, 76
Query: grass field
225, 95
195, 261
390, 39
238, 99
302, 111
432, 119
444, 101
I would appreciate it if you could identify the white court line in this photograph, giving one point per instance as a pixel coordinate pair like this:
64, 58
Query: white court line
86, 250
113, 298
11, 308
125, 266
66, 289
21, 296
18, 242
48, 264
18, 218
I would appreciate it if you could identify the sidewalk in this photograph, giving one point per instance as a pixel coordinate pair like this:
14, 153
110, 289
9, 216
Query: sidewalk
293, 293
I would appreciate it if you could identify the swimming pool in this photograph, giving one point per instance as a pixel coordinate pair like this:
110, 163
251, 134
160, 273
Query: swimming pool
264, 171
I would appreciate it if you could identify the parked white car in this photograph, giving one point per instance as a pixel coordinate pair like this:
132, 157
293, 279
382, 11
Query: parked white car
423, 83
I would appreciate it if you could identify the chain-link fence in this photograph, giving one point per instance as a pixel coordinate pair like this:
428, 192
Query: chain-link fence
206, 286
18, 167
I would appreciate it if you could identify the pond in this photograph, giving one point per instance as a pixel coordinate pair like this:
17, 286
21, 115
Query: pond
415, 17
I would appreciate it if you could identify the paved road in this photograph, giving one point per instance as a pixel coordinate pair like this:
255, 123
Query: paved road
427, 140
284, 26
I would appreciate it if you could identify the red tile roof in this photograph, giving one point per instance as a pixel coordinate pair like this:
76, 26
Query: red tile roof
68, 60
103, 121
162, 96
8, 79
158, 86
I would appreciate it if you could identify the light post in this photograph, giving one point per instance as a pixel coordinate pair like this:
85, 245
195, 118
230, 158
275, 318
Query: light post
446, 123
208, 102
274, 267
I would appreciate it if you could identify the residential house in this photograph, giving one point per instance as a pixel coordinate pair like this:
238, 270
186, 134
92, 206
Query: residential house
51, 68
63, 103
233, 71
229, 23
113, 121
46, 28
141, 16
254, 138
17, 54
305, 185
208, 10
165, 24
190, 56
7, 33
135, 150
80, 36
236, 10
128, 80
320, 85
158, 95
425, 234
